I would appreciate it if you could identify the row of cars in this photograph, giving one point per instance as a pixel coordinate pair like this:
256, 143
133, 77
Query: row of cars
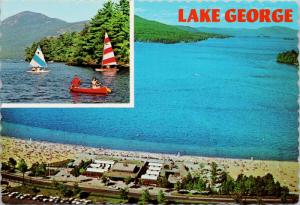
48, 199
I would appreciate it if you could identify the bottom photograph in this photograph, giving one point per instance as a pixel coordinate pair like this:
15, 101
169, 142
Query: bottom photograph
120, 156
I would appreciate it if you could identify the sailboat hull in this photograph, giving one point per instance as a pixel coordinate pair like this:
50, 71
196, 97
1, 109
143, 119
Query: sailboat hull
38, 72
111, 70
101, 90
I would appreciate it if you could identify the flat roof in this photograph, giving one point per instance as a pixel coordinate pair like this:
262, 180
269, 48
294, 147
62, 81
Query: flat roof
97, 170
124, 167
154, 168
149, 177
152, 172
155, 164
100, 161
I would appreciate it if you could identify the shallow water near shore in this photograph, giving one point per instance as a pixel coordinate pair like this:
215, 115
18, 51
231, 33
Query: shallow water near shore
219, 97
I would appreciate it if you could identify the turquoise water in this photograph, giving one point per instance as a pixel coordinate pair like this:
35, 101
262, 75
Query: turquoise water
220, 97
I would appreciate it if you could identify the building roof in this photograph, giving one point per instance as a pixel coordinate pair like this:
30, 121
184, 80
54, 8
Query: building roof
100, 161
124, 167
153, 164
152, 172
97, 170
154, 168
149, 177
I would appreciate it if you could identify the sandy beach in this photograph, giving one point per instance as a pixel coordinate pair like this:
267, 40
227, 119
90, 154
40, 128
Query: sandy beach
286, 172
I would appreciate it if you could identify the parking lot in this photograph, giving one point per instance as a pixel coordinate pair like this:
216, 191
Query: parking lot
17, 198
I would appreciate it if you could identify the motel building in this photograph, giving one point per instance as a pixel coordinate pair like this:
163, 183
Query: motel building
122, 170
98, 167
152, 174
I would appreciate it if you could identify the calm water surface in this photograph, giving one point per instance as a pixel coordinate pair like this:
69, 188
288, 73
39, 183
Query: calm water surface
20, 86
220, 97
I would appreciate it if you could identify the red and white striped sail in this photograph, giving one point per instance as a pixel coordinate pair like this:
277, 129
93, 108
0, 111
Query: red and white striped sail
108, 53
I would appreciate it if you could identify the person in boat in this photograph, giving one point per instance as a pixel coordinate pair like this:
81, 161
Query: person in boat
35, 69
76, 82
95, 83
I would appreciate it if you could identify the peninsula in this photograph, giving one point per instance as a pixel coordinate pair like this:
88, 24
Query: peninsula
154, 31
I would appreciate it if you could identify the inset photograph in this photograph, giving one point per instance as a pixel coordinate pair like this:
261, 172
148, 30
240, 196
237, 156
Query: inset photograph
66, 52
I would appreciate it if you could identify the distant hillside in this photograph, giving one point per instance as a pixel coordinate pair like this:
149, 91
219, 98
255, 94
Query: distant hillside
20, 30
153, 31
275, 31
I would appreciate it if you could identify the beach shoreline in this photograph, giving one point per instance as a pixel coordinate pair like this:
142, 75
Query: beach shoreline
286, 172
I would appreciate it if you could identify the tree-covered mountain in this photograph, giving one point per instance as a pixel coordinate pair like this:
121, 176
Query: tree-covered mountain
273, 31
85, 47
20, 30
153, 31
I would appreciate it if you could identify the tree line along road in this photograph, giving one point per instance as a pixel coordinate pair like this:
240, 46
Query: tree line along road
135, 194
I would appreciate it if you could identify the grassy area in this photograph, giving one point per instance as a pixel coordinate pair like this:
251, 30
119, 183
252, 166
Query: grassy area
95, 197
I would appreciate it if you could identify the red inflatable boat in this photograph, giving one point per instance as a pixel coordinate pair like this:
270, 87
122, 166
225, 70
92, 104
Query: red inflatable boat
101, 90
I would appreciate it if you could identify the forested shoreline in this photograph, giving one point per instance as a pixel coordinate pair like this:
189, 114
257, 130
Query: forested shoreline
154, 31
85, 47
288, 57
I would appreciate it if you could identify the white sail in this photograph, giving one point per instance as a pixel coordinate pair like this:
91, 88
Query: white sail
38, 59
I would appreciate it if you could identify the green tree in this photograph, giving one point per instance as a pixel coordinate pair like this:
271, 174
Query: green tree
64, 190
213, 172
199, 184
38, 169
124, 193
5, 166
127, 180
105, 179
12, 163
145, 197
250, 186
284, 194
22, 167
76, 188
76, 171
35, 190
227, 186
161, 198
163, 182
177, 186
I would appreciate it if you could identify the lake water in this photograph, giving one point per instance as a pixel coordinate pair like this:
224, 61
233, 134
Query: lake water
20, 86
219, 97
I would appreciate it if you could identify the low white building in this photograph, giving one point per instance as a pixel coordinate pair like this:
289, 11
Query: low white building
98, 167
152, 173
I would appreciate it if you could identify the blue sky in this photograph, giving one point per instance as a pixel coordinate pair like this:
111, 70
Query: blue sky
68, 10
167, 12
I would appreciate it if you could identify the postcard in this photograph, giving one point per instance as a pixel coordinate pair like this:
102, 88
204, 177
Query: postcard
215, 114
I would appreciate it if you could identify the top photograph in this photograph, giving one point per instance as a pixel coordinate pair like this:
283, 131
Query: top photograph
66, 54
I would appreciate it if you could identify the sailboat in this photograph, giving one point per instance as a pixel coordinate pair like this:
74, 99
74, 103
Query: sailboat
109, 62
38, 62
